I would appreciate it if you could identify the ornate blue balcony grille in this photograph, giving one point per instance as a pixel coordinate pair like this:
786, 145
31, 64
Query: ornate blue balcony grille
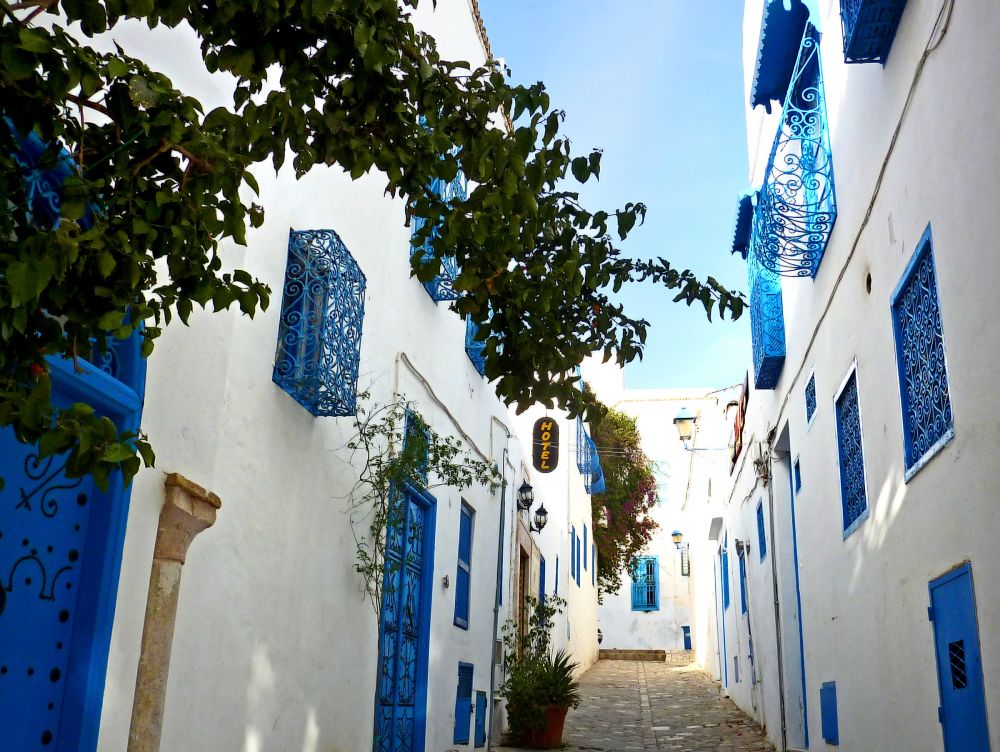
767, 323
474, 348
810, 398
440, 288
798, 205
923, 378
645, 584
853, 495
582, 448
780, 32
869, 28
593, 475
319, 337
44, 173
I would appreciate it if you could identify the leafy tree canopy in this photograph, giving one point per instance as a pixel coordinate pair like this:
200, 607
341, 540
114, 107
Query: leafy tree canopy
159, 184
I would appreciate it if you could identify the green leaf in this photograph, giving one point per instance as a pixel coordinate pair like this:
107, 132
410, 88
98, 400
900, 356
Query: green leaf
117, 453
34, 40
27, 280
111, 320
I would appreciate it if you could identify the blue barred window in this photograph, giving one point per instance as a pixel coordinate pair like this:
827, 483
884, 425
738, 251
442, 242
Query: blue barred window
475, 348
645, 584
761, 535
811, 398
440, 287
319, 335
767, 323
923, 378
869, 28
724, 573
854, 497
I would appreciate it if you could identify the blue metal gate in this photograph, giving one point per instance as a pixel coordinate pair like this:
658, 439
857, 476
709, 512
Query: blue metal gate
404, 631
959, 662
60, 553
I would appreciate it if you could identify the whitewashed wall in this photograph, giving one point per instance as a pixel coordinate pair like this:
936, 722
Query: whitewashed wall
275, 645
864, 598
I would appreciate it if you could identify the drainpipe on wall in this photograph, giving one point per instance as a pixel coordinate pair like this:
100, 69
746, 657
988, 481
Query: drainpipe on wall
496, 597
777, 599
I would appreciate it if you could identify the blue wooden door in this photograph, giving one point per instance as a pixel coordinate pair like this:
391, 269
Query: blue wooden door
400, 716
60, 551
959, 662
687, 637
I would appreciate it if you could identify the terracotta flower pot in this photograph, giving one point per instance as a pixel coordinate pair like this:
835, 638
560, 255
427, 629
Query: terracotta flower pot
550, 735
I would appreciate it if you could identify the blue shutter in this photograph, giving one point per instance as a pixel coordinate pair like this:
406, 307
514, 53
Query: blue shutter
584, 546
593, 565
462, 576
572, 552
578, 561
556, 588
828, 712
541, 581
463, 704
761, 537
743, 584
724, 567
481, 714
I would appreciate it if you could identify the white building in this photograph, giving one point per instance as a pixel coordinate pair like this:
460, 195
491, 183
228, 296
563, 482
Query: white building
862, 501
275, 645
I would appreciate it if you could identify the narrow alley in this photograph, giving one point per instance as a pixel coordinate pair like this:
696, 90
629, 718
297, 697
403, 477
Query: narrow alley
646, 706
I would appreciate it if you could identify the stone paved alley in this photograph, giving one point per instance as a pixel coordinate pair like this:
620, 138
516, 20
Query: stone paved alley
650, 706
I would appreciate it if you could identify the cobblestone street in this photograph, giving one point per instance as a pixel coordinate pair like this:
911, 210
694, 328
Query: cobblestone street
645, 706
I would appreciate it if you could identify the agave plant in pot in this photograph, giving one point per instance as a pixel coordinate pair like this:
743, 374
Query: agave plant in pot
539, 686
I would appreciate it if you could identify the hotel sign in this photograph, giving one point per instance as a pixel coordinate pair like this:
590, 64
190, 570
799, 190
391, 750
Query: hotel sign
545, 445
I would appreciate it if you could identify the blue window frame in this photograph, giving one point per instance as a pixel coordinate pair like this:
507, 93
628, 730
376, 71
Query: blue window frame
761, 535
923, 377
463, 574
584, 546
646, 584
440, 287
475, 348
828, 712
853, 494
797, 471
743, 583
810, 395
541, 581
869, 28
463, 704
724, 574
319, 335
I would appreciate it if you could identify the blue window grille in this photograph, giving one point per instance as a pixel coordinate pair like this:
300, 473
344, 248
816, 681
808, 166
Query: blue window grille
869, 28
923, 377
463, 704
463, 574
475, 348
743, 582
541, 581
780, 32
582, 448
797, 206
481, 718
645, 584
828, 712
761, 535
593, 475
797, 471
853, 495
319, 335
584, 546
440, 288
810, 398
767, 323
724, 573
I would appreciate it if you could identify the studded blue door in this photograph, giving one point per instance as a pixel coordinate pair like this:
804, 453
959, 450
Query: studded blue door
400, 718
60, 550
959, 662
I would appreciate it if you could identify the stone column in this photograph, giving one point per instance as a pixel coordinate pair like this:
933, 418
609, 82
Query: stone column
188, 510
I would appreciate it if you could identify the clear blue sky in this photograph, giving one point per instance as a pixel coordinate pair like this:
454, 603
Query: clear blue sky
658, 85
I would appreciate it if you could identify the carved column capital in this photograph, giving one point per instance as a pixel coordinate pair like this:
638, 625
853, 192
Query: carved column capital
188, 510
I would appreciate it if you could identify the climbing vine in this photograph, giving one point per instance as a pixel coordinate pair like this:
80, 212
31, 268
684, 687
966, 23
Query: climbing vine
396, 448
156, 187
625, 507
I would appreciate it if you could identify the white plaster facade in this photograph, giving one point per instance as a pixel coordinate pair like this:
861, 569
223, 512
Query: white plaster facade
275, 646
911, 147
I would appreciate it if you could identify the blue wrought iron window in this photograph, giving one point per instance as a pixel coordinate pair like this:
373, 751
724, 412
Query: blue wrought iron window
923, 377
646, 584
724, 574
582, 447
463, 704
743, 582
475, 348
869, 28
780, 32
810, 398
593, 475
797, 206
767, 323
319, 335
463, 574
854, 496
440, 288
761, 535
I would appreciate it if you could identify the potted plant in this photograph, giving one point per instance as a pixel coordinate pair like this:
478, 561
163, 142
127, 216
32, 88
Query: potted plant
539, 686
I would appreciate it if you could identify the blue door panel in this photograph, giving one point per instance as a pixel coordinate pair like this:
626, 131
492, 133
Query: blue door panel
481, 719
60, 552
959, 662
